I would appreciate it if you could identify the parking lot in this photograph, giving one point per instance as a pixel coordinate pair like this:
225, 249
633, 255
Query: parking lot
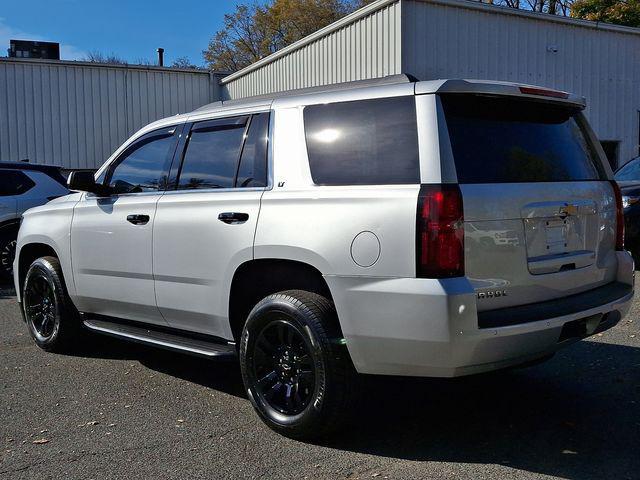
122, 411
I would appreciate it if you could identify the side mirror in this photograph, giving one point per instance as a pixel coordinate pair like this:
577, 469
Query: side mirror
84, 182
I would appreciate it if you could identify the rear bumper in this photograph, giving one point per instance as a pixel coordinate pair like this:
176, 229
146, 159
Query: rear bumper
424, 327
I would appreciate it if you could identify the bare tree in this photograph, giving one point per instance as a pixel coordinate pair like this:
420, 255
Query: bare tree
99, 57
552, 7
183, 62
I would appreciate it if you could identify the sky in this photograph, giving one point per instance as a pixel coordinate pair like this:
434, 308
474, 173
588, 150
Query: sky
131, 30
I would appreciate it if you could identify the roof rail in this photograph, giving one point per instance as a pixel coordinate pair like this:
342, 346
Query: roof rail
370, 82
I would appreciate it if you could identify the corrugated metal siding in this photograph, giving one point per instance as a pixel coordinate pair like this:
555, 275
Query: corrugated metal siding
369, 47
447, 41
76, 115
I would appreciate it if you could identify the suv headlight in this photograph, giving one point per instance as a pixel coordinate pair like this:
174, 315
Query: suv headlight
628, 200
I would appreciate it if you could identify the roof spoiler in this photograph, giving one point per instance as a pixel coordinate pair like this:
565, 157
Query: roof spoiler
486, 87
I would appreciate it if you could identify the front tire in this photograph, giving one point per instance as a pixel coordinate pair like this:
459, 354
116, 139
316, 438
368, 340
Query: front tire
295, 368
52, 319
7, 254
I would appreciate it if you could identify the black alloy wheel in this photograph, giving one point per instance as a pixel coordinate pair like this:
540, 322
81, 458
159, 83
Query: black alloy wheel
7, 254
51, 317
283, 366
295, 366
40, 307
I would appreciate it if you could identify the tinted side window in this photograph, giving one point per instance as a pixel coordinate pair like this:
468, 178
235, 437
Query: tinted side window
143, 166
252, 171
211, 157
14, 182
367, 142
503, 140
630, 172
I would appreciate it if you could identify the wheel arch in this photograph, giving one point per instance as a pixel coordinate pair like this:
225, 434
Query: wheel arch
26, 255
255, 279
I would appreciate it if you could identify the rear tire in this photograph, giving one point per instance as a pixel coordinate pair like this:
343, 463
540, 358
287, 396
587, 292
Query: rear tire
296, 371
53, 321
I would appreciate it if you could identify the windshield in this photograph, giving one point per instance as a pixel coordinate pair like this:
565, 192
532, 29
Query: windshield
505, 140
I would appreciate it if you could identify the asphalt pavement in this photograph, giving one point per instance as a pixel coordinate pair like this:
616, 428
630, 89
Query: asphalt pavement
118, 410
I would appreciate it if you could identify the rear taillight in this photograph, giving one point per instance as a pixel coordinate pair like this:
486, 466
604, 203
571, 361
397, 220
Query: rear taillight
619, 216
439, 232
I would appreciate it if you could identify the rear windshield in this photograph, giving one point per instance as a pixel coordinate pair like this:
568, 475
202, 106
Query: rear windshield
505, 140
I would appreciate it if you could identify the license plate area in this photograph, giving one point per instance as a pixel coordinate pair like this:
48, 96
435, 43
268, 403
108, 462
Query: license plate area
556, 236
559, 243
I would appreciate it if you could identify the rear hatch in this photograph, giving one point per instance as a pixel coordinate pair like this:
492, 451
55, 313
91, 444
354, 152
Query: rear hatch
539, 213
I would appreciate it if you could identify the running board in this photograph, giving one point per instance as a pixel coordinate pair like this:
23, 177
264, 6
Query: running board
171, 341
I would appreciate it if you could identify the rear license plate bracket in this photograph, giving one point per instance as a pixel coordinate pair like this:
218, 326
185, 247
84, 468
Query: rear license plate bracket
556, 236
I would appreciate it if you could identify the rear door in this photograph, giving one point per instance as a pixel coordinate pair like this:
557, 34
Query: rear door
205, 226
539, 211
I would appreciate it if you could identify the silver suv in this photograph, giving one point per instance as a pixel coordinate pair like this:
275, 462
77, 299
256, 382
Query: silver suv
22, 186
436, 228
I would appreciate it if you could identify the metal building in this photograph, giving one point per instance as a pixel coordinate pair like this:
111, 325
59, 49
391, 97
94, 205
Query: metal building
465, 39
75, 114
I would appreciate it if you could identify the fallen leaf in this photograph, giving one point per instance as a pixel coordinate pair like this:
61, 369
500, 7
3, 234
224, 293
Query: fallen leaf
40, 441
89, 424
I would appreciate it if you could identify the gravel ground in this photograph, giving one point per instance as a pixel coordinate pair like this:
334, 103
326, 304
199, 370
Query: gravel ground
123, 411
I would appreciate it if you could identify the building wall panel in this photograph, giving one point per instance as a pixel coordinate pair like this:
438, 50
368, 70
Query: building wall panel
453, 39
460, 39
367, 47
76, 114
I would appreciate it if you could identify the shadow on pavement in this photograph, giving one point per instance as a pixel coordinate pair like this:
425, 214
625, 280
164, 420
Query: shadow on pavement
576, 417
218, 375
6, 290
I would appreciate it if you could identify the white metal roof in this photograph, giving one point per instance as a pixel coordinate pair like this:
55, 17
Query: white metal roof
468, 4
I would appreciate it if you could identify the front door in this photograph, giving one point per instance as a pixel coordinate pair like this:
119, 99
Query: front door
204, 229
111, 235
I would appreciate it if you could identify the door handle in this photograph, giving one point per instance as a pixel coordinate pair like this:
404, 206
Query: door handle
138, 219
233, 218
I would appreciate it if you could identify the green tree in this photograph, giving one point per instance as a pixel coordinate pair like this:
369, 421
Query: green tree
621, 12
254, 31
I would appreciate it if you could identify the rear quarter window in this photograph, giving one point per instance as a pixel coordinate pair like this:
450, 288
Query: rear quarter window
365, 142
14, 182
506, 140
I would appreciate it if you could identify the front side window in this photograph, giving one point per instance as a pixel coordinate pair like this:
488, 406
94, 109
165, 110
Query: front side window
365, 142
14, 182
143, 166
212, 153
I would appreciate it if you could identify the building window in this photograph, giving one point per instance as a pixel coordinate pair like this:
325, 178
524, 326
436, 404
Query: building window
611, 148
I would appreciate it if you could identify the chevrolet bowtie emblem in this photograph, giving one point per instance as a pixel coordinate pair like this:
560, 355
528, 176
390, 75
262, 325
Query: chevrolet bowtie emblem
567, 210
